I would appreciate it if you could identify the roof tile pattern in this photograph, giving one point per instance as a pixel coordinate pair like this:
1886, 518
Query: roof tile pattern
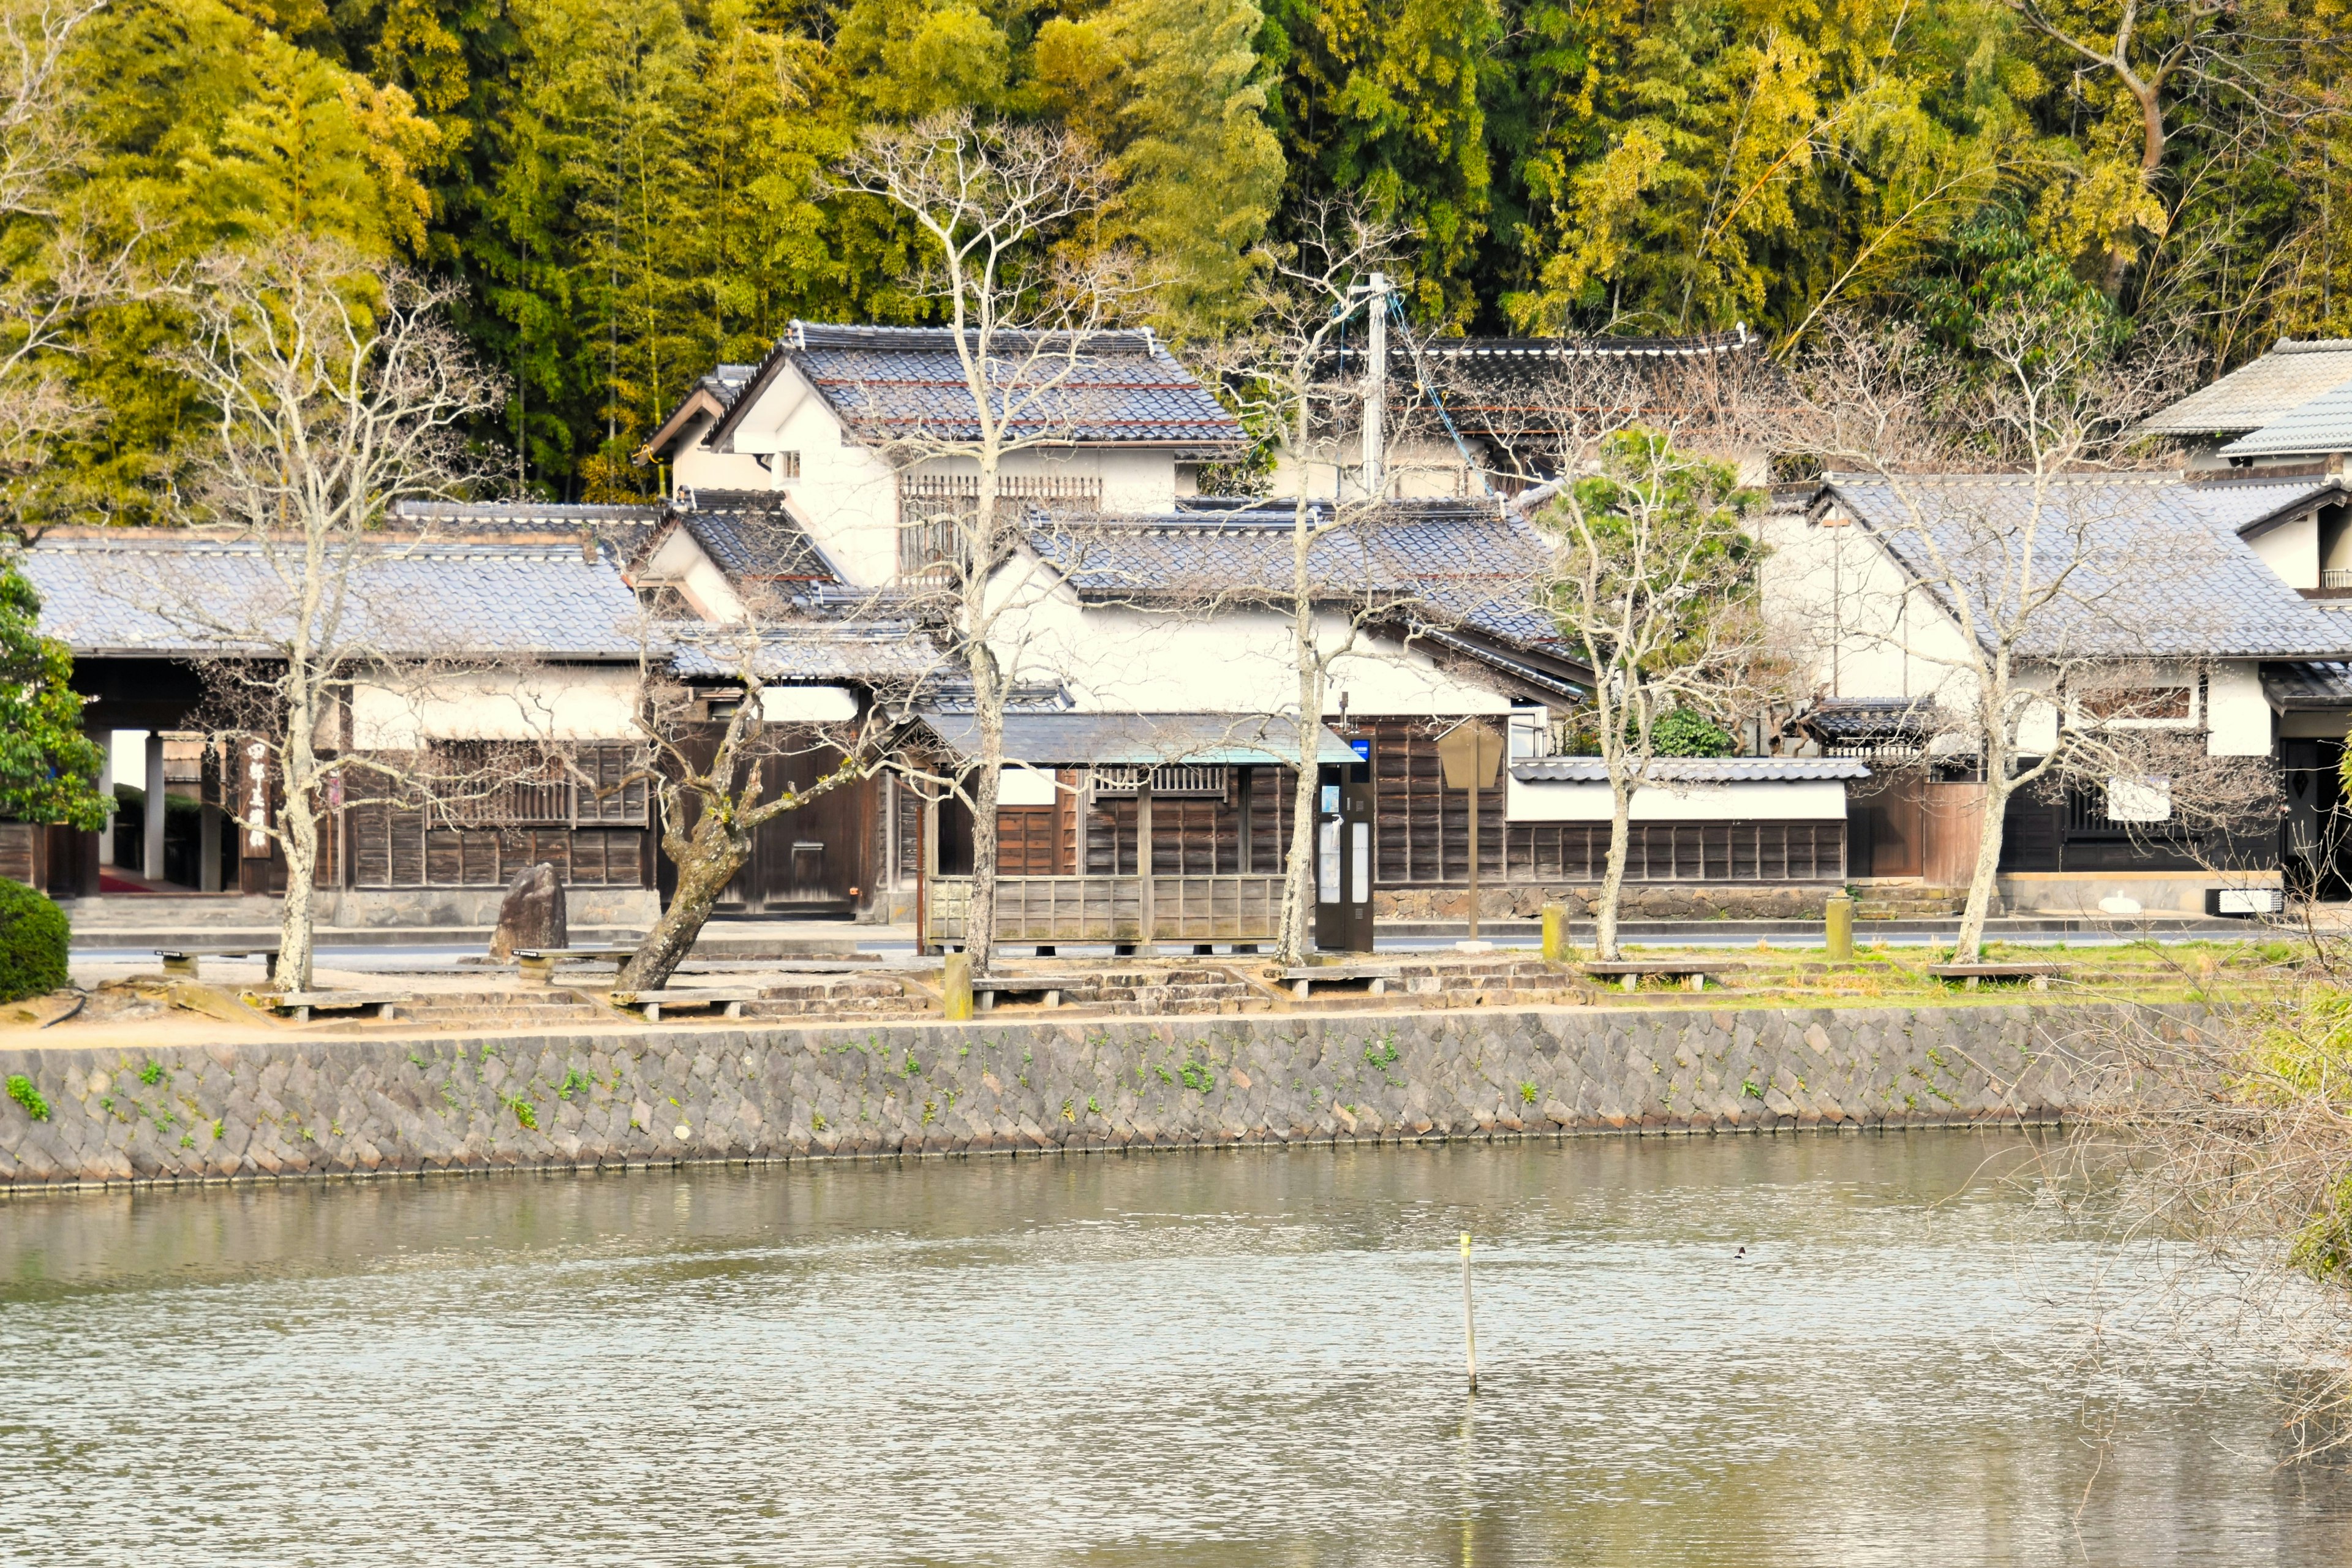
2251, 396
1460, 563
753, 535
152, 593
2317, 427
2142, 565
884, 653
907, 383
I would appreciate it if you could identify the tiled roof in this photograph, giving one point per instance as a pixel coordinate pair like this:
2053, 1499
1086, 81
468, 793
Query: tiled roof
2322, 425
886, 653
623, 527
1460, 563
906, 383
2314, 683
1695, 770
2151, 566
1869, 720
2251, 396
753, 535
1062, 740
2242, 505
158, 593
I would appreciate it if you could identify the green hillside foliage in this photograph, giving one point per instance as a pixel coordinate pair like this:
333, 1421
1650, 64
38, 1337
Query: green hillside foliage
633, 191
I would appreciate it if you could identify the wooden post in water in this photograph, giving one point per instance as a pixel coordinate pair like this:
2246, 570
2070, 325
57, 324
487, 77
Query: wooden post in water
1469, 1319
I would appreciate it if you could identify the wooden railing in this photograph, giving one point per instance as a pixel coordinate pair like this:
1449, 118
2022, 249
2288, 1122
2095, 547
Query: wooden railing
1115, 908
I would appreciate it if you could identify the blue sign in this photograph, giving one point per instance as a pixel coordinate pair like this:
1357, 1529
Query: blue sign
1363, 750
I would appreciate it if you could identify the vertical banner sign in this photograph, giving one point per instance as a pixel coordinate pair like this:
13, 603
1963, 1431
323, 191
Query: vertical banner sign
254, 808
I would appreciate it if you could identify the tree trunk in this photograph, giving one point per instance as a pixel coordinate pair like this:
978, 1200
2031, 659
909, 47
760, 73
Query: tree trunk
298, 828
988, 705
1970, 944
713, 856
2151, 161
1298, 874
1613, 878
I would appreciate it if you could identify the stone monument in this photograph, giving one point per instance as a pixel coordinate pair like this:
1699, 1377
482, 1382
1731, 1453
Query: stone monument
531, 914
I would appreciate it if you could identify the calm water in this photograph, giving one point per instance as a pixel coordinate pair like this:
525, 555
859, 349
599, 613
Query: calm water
1211, 1359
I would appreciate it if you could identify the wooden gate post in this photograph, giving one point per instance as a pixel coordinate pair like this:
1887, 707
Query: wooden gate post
1145, 922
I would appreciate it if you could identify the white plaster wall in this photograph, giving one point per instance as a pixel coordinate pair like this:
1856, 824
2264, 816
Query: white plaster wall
1117, 658
1757, 800
679, 561
807, 704
2238, 716
2291, 550
572, 702
1847, 613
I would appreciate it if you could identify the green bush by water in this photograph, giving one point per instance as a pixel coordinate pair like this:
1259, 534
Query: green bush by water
33, 937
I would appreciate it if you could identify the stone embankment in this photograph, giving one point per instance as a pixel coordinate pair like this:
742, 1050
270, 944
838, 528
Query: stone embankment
548, 1101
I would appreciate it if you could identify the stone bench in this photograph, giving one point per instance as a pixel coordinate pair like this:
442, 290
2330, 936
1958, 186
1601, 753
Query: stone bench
1373, 977
728, 1000
1047, 988
300, 1004
1631, 971
183, 961
2035, 976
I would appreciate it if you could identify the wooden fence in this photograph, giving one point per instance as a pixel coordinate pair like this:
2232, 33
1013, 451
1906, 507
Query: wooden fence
1115, 908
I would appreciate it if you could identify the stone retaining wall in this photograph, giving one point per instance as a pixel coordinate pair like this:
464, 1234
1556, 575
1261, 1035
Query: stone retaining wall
323, 1106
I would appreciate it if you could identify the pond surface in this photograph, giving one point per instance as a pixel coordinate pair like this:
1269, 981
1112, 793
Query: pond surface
1226, 1358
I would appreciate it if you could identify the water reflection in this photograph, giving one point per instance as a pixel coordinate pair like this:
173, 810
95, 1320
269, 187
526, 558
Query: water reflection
1211, 1359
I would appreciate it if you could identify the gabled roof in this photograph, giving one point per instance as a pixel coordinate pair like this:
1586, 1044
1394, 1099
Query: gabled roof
2317, 427
2250, 506
709, 397
2251, 396
753, 534
623, 527
904, 384
1457, 563
2151, 566
167, 592
884, 653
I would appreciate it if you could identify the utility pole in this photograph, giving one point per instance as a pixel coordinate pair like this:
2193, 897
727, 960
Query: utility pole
1376, 385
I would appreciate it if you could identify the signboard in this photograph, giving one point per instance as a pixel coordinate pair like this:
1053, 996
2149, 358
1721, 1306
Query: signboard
1471, 753
1363, 749
253, 800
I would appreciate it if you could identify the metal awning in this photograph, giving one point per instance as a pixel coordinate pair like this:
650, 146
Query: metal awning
1150, 739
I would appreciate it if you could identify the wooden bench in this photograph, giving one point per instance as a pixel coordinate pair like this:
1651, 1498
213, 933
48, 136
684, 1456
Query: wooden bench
539, 962
2035, 976
729, 1000
183, 961
302, 1004
1630, 972
1373, 977
1047, 988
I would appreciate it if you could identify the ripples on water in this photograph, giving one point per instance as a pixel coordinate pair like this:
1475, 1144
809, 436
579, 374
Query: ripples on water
1191, 1359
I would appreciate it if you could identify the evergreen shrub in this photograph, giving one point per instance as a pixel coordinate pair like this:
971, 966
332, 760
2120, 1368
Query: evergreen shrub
33, 938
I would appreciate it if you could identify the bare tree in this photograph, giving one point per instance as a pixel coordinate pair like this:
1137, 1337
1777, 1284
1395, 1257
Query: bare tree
716, 758
1294, 386
335, 387
1006, 213
2021, 591
1654, 583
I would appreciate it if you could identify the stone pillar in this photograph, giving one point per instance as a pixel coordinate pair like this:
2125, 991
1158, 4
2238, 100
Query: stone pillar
150, 858
105, 739
208, 849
